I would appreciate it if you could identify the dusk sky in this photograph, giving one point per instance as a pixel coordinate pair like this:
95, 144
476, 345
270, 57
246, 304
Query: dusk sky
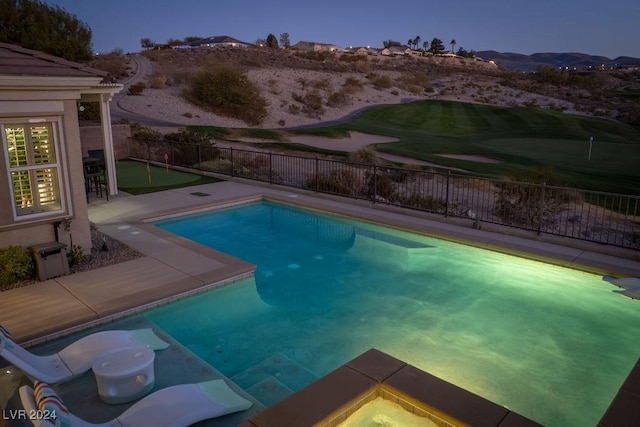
608, 28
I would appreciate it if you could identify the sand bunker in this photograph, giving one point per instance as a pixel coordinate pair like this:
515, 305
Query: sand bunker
354, 142
471, 158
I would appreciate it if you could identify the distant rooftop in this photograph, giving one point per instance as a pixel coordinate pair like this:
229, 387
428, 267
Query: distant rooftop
16, 60
214, 40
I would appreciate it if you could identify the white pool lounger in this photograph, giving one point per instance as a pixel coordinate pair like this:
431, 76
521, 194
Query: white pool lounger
77, 358
175, 406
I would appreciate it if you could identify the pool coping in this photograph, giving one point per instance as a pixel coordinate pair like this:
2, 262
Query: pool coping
334, 397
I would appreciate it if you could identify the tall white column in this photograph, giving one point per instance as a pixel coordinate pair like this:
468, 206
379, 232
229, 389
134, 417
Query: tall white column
107, 137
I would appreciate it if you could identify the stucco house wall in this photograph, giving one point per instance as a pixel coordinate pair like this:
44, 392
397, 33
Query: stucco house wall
39, 91
40, 231
91, 138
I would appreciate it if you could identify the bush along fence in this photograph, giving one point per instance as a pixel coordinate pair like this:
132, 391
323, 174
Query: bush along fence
606, 218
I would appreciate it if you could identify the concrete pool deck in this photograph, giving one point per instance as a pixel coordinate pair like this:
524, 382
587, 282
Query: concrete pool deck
174, 267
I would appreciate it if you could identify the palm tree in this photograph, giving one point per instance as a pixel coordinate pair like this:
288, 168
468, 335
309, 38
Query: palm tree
453, 43
425, 45
416, 41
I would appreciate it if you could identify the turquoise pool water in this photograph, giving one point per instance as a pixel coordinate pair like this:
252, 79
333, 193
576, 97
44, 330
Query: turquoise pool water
551, 343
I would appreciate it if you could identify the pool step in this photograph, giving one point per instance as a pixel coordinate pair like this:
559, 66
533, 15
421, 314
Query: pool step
274, 378
391, 250
391, 240
269, 391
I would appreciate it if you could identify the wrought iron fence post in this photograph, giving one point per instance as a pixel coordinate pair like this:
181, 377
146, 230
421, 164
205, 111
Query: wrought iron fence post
543, 190
199, 156
233, 167
446, 197
317, 173
375, 183
270, 167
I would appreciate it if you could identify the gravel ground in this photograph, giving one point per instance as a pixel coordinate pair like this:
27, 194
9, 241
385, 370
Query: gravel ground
116, 252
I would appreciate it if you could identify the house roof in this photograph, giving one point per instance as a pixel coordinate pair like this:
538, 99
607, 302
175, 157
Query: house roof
18, 61
218, 40
307, 43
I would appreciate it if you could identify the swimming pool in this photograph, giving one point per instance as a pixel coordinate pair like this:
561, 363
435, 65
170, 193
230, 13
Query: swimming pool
551, 343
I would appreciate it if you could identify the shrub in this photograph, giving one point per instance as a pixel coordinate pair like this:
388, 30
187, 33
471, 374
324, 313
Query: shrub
16, 265
273, 87
520, 202
382, 82
302, 82
338, 99
352, 85
75, 255
294, 109
157, 81
337, 181
415, 82
142, 132
218, 165
191, 146
136, 89
251, 165
380, 185
311, 103
322, 84
362, 67
366, 155
316, 56
416, 90
427, 203
347, 57
228, 92
188, 137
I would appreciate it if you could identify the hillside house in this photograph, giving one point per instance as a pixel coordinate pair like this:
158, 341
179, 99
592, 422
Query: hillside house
363, 51
42, 182
396, 51
215, 41
314, 47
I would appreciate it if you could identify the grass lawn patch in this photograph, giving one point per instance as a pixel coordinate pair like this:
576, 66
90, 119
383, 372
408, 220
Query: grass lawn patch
522, 138
135, 178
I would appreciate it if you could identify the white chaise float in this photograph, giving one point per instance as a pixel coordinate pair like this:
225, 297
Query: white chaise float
78, 357
176, 406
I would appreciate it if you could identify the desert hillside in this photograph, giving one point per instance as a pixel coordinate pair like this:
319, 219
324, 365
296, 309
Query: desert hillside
308, 88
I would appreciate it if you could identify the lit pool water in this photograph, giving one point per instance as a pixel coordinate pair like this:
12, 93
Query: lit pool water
551, 343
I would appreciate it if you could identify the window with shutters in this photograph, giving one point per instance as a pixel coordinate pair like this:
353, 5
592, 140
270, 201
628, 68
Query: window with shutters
33, 167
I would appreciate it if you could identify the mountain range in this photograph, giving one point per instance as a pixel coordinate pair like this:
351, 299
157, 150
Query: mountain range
520, 62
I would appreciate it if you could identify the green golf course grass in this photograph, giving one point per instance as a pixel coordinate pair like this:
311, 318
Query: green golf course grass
134, 178
523, 139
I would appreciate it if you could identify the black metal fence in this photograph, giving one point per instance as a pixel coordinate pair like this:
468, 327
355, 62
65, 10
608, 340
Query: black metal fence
607, 218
